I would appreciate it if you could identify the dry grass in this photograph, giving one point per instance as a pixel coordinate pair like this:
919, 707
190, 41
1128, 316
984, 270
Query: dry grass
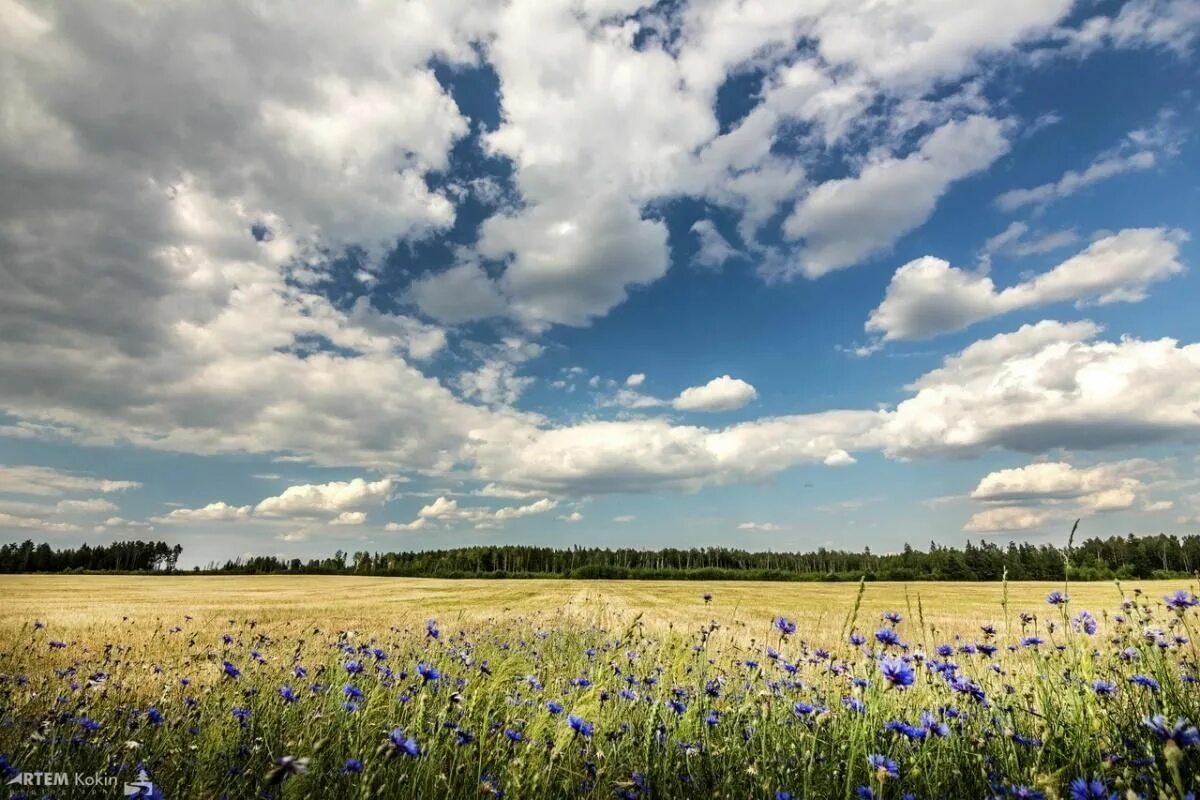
80, 602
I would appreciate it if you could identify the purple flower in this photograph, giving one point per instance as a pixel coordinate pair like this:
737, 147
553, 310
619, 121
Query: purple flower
883, 766
1056, 598
887, 637
857, 639
785, 626
1181, 599
1094, 789
892, 617
896, 672
428, 672
352, 692
554, 707
404, 745
513, 736
352, 766
1182, 733
431, 629
230, 670
353, 667
580, 726
1104, 688
1146, 681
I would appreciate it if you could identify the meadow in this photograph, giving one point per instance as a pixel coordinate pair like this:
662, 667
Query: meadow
313, 686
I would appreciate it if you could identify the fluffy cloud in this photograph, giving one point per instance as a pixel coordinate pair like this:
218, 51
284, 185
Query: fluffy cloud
446, 510
1053, 491
213, 512
714, 250
93, 505
1045, 386
326, 499
13, 521
719, 394
843, 221
635, 380
927, 296
45, 481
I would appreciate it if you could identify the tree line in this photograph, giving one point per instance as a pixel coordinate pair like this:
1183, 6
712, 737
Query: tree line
1160, 556
135, 556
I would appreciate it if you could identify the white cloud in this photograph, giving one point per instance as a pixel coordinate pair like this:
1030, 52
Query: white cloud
91, 506
572, 518
1142, 149
416, 525
1055, 491
760, 526
12, 521
494, 382
462, 293
1171, 24
446, 510
46, 481
326, 499
349, 518
719, 394
927, 296
120, 524
213, 512
635, 380
624, 518
843, 221
715, 250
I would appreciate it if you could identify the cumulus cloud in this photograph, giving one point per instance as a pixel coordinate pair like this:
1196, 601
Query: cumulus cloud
1031, 496
635, 380
446, 510
719, 394
927, 296
13, 521
714, 250
213, 512
326, 499
845, 220
765, 527
93, 505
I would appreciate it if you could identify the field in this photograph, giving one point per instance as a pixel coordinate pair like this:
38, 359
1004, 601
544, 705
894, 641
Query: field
359, 687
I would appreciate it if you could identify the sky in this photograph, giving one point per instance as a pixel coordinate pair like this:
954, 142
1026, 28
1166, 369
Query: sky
293, 278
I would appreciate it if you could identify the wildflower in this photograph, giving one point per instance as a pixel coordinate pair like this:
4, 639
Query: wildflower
864, 793
854, 705
712, 718
677, 706
513, 736
1094, 789
353, 667
431, 629
857, 639
1182, 733
883, 766
463, 738
1104, 688
1032, 641
785, 626
1056, 599
1181, 599
892, 617
1086, 622
887, 637
428, 672
230, 670
780, 794
1146, 681
89, 725
580, 726
403, 745
154, 716
554, 707
352, 692
911, 732
352, 766
241, 715
288, 695
897, 673
1025, 793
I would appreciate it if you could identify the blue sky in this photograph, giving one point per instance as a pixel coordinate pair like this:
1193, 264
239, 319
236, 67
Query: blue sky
599, 272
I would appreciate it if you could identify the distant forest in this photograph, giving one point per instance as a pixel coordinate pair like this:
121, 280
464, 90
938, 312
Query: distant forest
1159, 556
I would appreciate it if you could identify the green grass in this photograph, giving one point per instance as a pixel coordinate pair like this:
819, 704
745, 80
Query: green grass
659, 640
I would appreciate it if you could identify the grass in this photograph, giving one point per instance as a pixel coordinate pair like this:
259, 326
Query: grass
677, 697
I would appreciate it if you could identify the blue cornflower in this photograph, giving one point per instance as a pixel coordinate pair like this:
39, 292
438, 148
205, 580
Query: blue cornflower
1182, 733
463, 738
785, 626
934, 725
154, 716
431, 629
892, 617
352, 766
803, 709
887, 636
896, 672
1086, 622
230, 670
241, 715
864, 793
513, 736
554, 707
884, 767
677, 706
89, 725
1181, 599
1094, 789
857, 639
1056, 598
580, 726
352, 692
1145, 680
912, 732
1032, 641
854, 705
1104, 688
428, 672
782, 795
402, 744
1025, 793
354, 667
712, 718
287, 694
